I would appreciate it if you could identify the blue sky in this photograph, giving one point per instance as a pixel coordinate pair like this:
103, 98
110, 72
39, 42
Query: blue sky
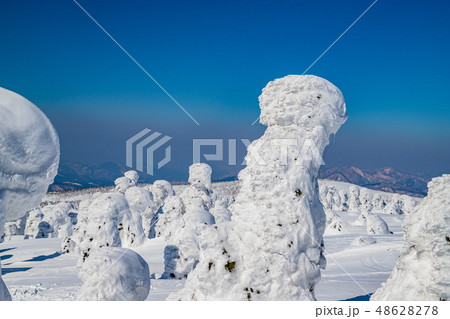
215, 57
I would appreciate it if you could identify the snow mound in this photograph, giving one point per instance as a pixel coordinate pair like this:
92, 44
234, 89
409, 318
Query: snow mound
422, 272
272, 249
376, 225
114, 274
335, 224
362, 241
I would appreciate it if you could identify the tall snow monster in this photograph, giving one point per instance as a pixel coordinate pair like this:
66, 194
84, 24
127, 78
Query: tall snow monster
272, 249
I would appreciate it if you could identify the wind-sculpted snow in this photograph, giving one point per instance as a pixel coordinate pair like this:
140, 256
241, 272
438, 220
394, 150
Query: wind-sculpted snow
273, 247
423, 270
114, 274
29, 158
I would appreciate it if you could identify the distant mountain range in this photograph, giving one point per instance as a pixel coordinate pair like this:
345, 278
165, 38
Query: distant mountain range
76, 175
384, 179
73, 175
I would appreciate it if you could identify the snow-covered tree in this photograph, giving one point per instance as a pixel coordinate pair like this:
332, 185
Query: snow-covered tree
335, 223
408, 203
11, 229
181, 252
354, 204
29, 158
395, 205
58, 217
273, 247
199, 194
171, 221
378, 203
220, 210
106, 222
35, 226
344, 199
422, 272
141, 204
129, 179
323, 195
160, 190
366, 200
114, 274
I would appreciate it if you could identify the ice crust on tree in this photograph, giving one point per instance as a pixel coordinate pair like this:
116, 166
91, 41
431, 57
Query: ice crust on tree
187, 214
114, 274
422, 272
104, 221
273, 247
29, 159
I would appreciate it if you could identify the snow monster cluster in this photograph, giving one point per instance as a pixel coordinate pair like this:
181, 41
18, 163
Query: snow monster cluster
264, 241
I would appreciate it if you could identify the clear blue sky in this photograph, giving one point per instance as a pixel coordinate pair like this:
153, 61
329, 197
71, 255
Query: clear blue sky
214, 57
